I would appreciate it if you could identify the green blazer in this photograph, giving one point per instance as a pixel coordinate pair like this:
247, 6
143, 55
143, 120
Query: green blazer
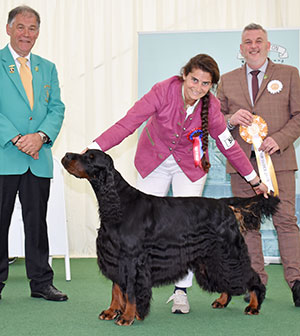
16, 116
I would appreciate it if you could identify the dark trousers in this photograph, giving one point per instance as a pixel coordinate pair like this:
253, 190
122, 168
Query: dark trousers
33, 194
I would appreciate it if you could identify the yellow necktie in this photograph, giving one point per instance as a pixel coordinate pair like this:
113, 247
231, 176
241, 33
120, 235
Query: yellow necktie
26, 78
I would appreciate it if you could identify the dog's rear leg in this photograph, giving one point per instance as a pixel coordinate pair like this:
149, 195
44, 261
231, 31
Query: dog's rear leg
117, 305
252, 309
127, 317
222, 301
257, 292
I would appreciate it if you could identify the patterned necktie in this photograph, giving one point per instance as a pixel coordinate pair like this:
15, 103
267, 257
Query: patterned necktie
26, 78
254, 74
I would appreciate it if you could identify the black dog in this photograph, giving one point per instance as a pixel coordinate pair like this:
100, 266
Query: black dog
146, 241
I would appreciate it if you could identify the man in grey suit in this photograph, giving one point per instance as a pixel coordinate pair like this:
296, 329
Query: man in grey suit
278, 103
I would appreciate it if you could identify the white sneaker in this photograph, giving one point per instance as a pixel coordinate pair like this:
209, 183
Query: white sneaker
180, 302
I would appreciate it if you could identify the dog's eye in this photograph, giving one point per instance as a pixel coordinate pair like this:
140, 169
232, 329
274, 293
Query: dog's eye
92, 156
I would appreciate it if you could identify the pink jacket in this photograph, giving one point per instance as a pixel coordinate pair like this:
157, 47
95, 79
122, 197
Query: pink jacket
166, 131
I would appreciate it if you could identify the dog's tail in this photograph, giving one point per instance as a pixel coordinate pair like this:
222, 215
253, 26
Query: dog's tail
250, 211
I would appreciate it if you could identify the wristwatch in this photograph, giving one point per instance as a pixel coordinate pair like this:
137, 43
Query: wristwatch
229, 126
43, 136
256, 184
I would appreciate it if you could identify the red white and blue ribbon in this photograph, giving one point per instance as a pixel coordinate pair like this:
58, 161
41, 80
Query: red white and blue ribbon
195, 136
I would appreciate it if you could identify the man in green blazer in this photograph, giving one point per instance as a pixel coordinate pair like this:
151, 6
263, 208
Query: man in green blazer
27, 132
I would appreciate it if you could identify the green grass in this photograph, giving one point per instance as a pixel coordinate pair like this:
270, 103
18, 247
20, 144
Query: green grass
89, 293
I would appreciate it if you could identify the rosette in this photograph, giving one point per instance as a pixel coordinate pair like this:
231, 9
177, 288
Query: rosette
275, 86
258, 128
255, 134
195, 136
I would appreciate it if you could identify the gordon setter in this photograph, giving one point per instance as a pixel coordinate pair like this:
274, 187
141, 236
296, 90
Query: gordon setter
146, 241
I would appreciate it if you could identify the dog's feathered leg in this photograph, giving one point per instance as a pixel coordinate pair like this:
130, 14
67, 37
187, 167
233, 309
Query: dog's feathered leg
257, 291
252, 308
117, 305
142, 290
130, 290
222, 301
127, 317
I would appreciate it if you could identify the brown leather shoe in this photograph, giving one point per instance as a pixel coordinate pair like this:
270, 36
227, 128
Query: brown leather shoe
50, 293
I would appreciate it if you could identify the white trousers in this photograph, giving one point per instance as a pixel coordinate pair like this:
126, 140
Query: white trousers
158, 183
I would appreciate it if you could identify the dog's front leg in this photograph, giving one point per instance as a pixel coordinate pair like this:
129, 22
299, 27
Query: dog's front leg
117, 305
222, 301
127, 317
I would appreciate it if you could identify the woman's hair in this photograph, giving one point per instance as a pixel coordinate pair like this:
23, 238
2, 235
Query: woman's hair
207, 64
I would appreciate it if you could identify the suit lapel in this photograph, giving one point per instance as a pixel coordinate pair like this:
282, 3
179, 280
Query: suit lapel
244, 84
8, 63
268, 75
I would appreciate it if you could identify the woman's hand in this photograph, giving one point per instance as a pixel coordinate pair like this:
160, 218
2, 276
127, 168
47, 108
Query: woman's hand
259, 187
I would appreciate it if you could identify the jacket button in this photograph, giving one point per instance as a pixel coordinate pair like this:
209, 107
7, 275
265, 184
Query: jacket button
170, 148
179, 160
173, 142
177, 135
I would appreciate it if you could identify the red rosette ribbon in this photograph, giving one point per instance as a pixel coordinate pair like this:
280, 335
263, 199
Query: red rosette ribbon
195, 136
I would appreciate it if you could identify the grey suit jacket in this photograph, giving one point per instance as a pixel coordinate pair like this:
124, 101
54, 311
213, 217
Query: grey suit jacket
281, 110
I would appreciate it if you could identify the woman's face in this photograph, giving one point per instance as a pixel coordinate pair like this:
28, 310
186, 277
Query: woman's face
196, 85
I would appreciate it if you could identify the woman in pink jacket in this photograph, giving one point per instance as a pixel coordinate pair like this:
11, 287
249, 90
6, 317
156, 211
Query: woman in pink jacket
172, 149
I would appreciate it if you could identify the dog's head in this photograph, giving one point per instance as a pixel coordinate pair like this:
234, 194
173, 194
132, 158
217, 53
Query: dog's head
90, 165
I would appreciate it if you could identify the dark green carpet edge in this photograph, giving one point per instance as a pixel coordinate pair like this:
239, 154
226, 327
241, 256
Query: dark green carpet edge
89, 293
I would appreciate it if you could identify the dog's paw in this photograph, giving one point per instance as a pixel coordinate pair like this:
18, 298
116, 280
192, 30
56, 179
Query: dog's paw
222, 301
251, 310
121, 321
217, 305
138, 317
109, 314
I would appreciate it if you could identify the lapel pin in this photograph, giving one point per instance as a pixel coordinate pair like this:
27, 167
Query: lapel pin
265, 76
11, 68
36, 68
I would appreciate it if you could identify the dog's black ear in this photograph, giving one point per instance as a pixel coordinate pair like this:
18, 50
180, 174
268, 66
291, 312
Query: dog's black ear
97, 162
101, 170
107, 178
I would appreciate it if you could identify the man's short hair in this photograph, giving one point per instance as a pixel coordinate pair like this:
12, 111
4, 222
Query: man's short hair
254, 26
20, 10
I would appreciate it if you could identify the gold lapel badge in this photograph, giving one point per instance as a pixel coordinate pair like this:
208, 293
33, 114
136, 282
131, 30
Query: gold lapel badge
36, 68
47, 88
11, 68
